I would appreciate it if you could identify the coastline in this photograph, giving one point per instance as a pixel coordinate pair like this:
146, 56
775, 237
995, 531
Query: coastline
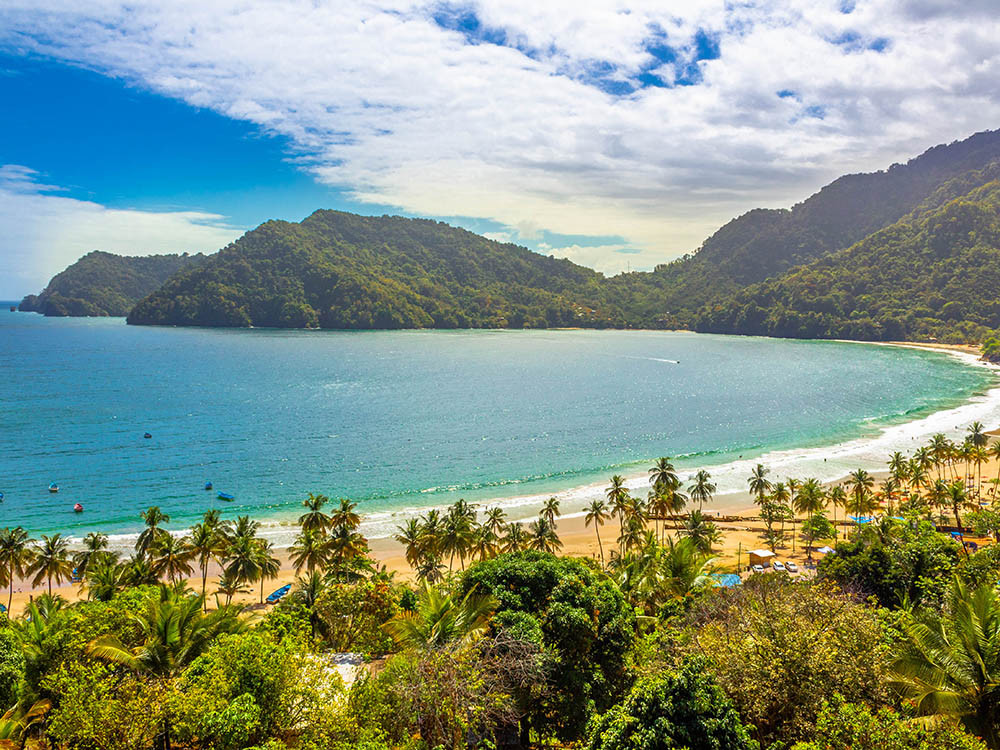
741, 531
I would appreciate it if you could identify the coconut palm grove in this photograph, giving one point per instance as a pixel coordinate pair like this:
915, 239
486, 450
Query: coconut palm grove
492, 638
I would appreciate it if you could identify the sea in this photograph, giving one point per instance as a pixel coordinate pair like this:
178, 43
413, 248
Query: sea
403, 421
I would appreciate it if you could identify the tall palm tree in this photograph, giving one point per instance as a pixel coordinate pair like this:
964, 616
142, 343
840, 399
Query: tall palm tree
171, 557
663, 472
759, 484
105, 578
345, 547
175, 632
440, 620
860, 483
995, 455
949, 664
268, 566
781, 495
240, 563
632, 534
230, 585
495, 520
410, 535
701, 531
810, 499
543, 536
51, 560
976, 434
596, 513
95, 546
344, 517
898, 467
311, 550
484, 543
205, 543
306, 592
515, 538
314, 519
617, 494
702, 489
456, 535
15, 557
550, 510
838, 497
153, 518
244, 528
957, 497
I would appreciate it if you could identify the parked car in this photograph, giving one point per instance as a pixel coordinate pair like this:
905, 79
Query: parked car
792, 567
757, 568
779, 566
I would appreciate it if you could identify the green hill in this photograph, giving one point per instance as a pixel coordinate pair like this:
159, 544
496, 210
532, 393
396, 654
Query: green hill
933, 274
340, 270
102, 284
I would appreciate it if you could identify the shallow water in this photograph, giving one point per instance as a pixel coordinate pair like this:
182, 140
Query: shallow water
410, 419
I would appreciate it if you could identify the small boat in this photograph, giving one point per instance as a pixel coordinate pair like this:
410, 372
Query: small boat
208, 486
225, 496
78, 508
53, 487
1, 497
147, 435
13, 308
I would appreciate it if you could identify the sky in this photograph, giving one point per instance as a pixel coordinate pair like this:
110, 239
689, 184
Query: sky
617, 134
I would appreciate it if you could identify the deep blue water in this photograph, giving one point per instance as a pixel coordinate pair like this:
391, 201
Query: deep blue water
409, 419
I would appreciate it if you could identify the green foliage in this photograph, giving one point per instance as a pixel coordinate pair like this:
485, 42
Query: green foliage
683, 709
11, 666
100, 710
586, 627
848, 726
105, 284
339, 270
353, 616
894, 562
779, 648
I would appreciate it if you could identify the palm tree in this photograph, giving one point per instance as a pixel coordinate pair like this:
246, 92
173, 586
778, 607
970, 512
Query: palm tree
758, 483
597, 515
204, 544
456, 535
244, 528
484, 543
241, 560
95, 546
230, 585
702, 532
838, 497
311, 550
344, 516
105, 578
314, 519
702, 488
809, 500
516, 538
171, 557
995, 454
937, 495
410, 535
268, 566
51, 560
957, 497
949, 664
15, 557
663, 472
175, 632
976, 434
440, 620
543, 536
153, 518
617, 494
345, 546
495, 520
860, 483
550, 510
306, 592
632, 535
781, 495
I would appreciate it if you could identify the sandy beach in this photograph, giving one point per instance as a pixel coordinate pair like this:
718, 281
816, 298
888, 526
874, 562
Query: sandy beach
735, 514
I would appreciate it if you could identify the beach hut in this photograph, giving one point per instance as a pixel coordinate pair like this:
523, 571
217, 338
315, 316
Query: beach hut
761, 557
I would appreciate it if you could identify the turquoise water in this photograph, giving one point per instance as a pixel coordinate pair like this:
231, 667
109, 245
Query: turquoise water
403, 420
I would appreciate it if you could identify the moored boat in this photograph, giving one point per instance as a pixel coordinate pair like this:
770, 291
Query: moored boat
53, 487
225, 496
78, 508
148, 435
208, 485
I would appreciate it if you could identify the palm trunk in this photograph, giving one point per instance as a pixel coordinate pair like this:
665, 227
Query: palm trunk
600, 546
50, 584
10, 596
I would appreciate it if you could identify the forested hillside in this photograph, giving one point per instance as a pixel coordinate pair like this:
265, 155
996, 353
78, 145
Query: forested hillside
933, 275
340, 270
105, 284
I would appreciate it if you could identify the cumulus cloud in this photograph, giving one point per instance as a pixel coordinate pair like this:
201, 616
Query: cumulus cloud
651, 121
41, 230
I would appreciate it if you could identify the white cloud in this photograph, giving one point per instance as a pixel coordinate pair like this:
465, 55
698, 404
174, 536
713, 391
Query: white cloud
382, 100
40, 231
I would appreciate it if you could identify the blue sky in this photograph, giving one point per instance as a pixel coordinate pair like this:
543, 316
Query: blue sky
617, 135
